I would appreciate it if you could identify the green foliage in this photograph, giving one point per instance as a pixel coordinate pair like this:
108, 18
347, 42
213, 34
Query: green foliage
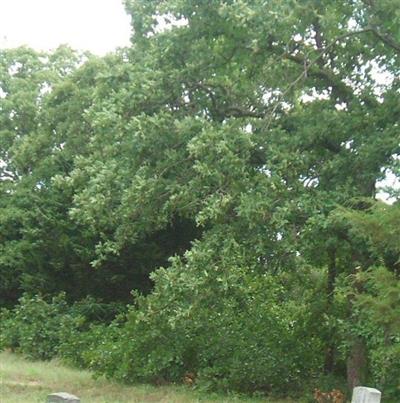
35, 327
380, 306
44, 329
91, 346
239, 146
235, 329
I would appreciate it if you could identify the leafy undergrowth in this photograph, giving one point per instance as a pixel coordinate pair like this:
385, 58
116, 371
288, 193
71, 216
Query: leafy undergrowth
32, 381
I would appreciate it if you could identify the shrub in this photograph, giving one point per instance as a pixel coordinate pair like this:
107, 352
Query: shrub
42, 330
231, 327
379, 308
34, 327
92, 348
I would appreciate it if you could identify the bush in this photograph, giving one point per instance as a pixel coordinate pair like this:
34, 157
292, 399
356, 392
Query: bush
93, 348
379, 308
232, 328
43, 330
34, 327
229, 326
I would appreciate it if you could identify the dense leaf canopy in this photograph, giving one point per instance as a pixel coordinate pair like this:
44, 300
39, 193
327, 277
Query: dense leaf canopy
233, 143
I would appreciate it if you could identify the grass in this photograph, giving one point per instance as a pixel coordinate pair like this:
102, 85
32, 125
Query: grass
32, 381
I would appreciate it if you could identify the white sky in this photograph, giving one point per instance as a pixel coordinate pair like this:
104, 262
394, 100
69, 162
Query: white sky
96, 25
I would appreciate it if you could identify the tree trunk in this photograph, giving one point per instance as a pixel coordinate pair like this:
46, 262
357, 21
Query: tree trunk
332, 272
357, 363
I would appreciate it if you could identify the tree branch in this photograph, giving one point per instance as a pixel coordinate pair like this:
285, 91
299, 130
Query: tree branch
309, 65
386, 39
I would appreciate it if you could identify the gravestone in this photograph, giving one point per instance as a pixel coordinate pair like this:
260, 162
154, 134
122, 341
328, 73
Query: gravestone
61, 397
361, 394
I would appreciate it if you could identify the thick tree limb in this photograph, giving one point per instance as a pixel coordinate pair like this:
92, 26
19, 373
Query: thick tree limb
312, 63
386, 39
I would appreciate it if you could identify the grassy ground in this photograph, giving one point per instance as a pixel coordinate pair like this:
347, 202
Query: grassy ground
30, 382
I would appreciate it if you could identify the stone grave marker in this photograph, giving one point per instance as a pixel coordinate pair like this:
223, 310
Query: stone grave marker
362, 394
61, 397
